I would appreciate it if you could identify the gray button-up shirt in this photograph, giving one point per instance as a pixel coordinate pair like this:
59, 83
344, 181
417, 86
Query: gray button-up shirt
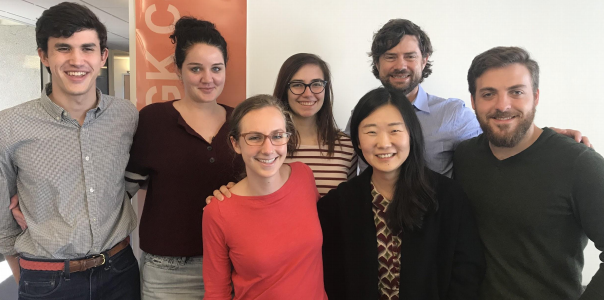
70, 178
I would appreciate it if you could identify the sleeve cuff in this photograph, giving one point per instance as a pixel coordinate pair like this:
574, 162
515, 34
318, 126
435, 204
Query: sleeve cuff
7, 245
14, 253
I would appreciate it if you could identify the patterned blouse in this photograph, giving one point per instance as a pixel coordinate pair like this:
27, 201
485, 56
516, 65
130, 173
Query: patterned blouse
389, 250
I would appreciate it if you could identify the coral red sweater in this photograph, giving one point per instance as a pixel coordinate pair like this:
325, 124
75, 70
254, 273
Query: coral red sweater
273, 243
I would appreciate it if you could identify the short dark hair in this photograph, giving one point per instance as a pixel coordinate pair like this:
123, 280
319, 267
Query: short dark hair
391, 34
258, 102
328, 132
65, 19
189, 31
414, 193
500, 57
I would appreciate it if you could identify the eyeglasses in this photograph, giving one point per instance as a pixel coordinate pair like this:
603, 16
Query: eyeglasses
298, 88
257, 138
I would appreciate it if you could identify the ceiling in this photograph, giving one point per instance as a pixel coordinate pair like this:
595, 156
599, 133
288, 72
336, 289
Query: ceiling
113, 13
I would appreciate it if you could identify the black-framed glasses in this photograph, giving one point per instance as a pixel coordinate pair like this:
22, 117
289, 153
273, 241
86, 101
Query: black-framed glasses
298, 88
257, 138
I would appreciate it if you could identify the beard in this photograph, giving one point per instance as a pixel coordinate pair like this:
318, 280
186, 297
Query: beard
503, 137
414, 81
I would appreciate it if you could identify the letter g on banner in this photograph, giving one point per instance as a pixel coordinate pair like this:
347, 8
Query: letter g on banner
160, 29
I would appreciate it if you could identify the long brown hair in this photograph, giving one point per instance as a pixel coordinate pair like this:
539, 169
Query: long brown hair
327, 131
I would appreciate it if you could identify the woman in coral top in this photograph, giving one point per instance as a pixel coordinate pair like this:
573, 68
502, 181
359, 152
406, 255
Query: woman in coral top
267, 242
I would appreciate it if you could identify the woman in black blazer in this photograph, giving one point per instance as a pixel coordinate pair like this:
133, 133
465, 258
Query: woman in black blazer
428, 245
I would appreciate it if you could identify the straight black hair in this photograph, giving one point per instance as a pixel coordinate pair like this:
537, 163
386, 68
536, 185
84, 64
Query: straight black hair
413, 194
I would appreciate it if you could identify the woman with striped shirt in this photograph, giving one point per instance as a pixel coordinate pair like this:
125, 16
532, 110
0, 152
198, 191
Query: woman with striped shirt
304, 87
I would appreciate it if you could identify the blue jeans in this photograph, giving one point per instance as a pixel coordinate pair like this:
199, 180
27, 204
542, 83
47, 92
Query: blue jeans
117, 279
171, 277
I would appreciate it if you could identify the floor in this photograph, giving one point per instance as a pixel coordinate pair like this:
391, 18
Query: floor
8, 287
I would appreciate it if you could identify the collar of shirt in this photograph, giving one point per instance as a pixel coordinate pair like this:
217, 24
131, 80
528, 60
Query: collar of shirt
58, 113
421, 101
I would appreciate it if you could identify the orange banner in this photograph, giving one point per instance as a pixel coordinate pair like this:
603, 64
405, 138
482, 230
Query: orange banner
156, 79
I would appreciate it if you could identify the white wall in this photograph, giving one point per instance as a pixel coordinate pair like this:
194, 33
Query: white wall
19, 65
565, 38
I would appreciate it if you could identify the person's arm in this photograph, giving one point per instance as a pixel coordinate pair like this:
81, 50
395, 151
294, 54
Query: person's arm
588, 201
137, 172
17, 213
221, 193
354, 167
13, 263
354, 164
574, 134
360, 165
134, 182
333, 261
468, 261
216, 261
9, 229
466, 124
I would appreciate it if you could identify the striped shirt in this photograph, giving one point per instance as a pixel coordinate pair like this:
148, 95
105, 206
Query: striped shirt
329, 171
69, 178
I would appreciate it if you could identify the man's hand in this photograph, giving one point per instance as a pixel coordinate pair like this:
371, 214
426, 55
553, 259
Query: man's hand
220, 194
13, 263
17, 214
575, 134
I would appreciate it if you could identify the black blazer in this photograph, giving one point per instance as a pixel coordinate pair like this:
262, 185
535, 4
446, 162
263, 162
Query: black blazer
442, 260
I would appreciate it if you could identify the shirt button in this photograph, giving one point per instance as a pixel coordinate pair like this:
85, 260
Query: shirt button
58, 118
212, 160
87, 158
91, 190
209, 148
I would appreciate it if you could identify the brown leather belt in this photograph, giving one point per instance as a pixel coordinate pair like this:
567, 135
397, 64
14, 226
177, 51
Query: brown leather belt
74, 265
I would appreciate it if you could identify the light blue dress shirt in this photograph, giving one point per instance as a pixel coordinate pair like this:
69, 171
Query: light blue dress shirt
445, 123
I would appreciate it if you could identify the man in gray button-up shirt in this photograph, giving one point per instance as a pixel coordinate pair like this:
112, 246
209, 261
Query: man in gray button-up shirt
65, 155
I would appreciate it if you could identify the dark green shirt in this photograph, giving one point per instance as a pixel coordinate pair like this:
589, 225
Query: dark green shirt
535, 213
